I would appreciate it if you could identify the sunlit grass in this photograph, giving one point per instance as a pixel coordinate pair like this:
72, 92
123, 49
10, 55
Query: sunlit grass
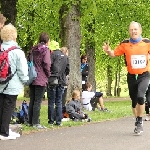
117, 109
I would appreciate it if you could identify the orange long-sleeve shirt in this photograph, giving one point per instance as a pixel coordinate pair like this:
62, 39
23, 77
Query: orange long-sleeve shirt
136, 55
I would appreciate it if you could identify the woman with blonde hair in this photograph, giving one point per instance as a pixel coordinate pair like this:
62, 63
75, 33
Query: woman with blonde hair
10, 90
64, 50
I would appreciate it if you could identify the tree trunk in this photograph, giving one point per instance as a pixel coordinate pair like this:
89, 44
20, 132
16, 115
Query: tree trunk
109, 78
115, 86
118, 78
118, 86
90, 51
9, 10
91, 61
71, 37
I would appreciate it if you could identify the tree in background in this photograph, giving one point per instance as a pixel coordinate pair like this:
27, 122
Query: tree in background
9, 10
81, 26
71, 37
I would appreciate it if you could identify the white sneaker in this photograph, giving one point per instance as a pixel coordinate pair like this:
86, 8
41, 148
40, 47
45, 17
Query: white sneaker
65, 119
11, 133
7, 138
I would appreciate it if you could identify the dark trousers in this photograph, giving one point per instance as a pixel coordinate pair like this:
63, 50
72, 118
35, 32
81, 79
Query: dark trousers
94, 101
54, 94
137, 87
36, 97
7, 105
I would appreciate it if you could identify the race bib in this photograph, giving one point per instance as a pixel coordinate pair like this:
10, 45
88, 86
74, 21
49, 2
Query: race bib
138, 61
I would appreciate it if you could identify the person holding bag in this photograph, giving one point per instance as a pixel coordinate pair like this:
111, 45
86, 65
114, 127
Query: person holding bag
42, 63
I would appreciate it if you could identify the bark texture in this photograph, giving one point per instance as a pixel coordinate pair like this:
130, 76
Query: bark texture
71, 37
9, 10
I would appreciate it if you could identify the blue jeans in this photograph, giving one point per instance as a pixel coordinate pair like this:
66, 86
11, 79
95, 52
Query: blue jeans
54, 94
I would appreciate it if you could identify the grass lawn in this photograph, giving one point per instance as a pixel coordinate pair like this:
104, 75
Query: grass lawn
118, 109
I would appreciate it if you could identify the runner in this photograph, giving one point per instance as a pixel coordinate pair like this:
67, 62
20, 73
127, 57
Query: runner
136, 51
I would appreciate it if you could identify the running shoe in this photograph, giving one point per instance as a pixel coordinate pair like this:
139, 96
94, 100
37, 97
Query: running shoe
139, 127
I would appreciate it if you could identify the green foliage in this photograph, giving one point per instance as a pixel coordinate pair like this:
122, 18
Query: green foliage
100, 21
111, 21
36, 16
54, 45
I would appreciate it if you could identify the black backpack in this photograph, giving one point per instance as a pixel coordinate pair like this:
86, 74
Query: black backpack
57, 58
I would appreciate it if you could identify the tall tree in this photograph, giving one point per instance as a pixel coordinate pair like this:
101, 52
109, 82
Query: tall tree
9, 10
111, 20
89, 12
71, 37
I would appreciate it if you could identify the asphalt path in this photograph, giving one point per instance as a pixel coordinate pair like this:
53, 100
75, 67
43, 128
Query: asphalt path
107, 135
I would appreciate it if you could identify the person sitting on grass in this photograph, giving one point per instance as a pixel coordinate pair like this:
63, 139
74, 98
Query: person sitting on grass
74, 108
91, 100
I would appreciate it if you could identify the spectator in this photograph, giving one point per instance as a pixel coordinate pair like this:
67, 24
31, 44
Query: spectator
52, 46
57, 81
74, 108
135, 50
42, 63
10, 90
84, 69
91, 100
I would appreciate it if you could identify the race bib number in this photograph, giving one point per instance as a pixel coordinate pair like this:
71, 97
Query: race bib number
138, 61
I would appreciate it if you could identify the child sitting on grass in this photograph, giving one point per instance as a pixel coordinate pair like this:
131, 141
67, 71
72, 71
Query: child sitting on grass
74, 108
91, 99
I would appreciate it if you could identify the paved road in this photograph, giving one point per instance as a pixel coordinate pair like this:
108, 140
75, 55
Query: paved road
107, 135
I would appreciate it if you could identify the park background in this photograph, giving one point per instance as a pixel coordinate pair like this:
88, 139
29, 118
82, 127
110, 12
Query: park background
82, 26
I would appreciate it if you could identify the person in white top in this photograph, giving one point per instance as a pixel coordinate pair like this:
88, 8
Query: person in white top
90, 100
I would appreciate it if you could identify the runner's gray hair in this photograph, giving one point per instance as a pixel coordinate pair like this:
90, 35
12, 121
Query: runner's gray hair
134, 22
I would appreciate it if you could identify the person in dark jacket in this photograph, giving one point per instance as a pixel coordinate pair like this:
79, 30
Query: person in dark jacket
57, 81
42, 63
84, 69
74, 107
